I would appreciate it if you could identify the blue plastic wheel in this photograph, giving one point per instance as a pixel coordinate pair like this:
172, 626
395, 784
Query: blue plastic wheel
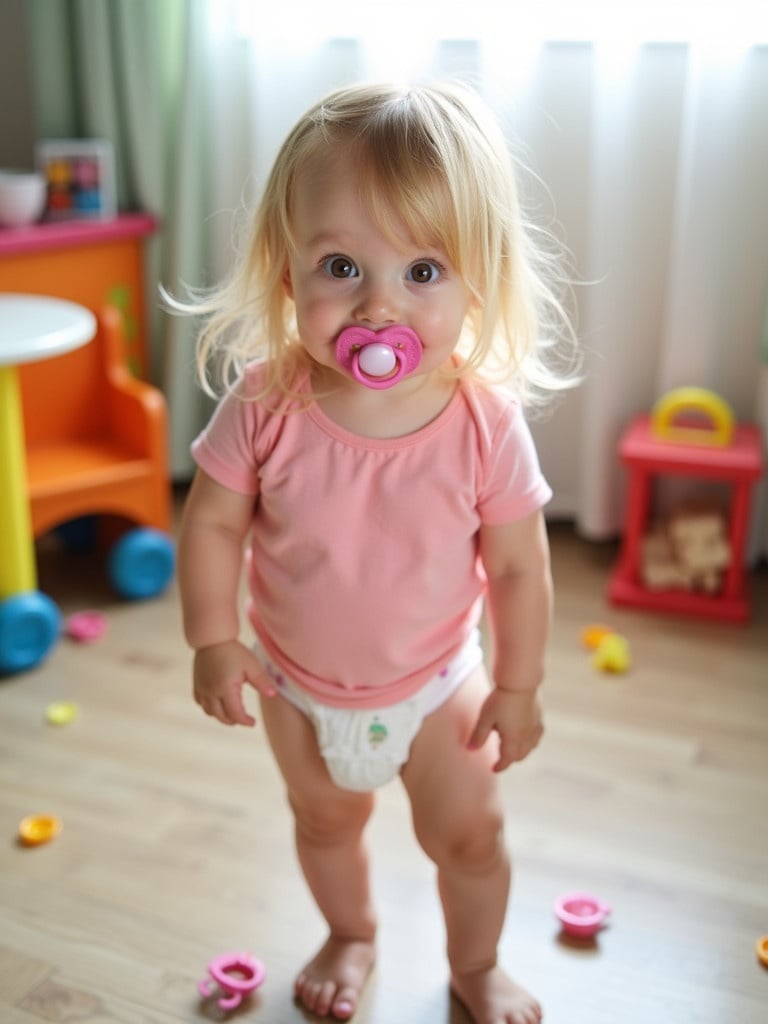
30, 624
141, 563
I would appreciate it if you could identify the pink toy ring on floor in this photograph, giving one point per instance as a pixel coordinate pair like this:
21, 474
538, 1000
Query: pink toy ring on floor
378, 359
236, 974
86, 626
581, 913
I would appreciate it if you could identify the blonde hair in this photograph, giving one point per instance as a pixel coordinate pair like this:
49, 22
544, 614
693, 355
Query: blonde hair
436, 157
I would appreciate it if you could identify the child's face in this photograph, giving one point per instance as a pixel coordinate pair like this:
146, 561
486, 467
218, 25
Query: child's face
345, 272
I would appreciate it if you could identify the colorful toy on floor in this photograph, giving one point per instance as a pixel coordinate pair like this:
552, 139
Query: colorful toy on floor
38, 829
581, 914
612, 654
86, 626
236, 974
592, 635
610, 649
61, 712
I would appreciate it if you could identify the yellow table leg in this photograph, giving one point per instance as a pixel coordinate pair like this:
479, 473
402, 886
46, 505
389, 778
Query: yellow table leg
17, 552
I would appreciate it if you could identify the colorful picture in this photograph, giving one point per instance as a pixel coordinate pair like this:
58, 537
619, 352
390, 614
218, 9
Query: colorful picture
80, 178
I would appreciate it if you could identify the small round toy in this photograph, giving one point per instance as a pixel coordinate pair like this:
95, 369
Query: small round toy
86, 626
61, 712
761, 948
612, 654
378, 359
580, 913
38, 829
593, 634
236, 974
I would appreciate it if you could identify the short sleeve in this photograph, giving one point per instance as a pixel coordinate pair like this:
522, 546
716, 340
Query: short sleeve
513, 485
227, 448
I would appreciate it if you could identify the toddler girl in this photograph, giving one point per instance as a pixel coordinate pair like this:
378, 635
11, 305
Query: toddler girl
384, 485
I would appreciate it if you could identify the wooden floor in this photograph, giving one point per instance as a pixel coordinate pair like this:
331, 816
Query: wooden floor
650, 789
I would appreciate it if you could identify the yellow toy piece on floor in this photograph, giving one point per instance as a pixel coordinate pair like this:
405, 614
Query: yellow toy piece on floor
61, 712
612, 654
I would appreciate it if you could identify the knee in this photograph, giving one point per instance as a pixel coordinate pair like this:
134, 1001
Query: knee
325, 821
472, 845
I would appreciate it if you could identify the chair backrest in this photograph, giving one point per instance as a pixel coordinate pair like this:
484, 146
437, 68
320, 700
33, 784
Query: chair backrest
65, 398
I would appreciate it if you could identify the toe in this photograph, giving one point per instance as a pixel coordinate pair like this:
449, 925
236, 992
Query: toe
324, 1001
344, 1004
308, 993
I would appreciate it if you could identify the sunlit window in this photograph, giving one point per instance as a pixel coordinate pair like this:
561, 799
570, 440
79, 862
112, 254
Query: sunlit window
732, 22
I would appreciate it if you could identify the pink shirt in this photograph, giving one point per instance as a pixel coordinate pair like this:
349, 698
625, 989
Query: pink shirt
362, 567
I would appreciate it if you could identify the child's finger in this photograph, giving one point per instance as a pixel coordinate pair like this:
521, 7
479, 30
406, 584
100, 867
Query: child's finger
234, 709
258, 678
515, 748
480, 734
262, 684
507, 756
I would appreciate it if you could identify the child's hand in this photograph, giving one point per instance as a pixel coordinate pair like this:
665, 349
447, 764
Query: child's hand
516, 717
219, 674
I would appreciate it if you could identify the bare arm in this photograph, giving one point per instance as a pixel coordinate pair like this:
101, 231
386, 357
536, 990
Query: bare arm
519, 602
213, 529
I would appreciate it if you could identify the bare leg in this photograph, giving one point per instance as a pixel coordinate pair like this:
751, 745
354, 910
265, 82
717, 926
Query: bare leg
458, 820
330, 823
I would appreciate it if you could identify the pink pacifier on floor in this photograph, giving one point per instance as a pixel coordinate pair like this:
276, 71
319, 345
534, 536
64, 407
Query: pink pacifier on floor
236, 974
378, 359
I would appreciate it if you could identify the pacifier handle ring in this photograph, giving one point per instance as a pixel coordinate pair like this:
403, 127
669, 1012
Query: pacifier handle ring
235, 975
384, 382
231, 1001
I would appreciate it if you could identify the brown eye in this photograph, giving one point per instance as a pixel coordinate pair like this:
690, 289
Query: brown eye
423, 272
340, 267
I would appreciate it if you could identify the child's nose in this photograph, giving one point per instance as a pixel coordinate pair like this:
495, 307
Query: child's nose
377, 305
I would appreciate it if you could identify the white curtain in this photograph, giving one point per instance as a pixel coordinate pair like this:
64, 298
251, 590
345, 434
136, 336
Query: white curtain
647, 146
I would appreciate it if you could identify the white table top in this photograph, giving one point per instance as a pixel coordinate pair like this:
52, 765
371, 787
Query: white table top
34, 327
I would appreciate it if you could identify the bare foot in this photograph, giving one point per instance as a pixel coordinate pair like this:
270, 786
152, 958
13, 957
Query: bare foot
331, 983
490, 997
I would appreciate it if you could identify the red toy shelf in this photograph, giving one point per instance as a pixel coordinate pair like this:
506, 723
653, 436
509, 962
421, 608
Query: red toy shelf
739, 464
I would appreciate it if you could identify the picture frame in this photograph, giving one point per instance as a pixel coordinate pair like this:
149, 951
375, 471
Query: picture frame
80, 178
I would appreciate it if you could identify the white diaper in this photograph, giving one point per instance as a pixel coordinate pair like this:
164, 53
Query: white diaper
364, 749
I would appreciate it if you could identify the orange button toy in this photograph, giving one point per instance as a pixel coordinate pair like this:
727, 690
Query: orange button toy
38, 829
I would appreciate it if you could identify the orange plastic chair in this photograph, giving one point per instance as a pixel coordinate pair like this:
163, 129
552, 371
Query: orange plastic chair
95, 436
95, 441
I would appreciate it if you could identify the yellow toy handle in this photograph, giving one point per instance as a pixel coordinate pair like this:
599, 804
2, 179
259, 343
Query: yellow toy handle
696, 400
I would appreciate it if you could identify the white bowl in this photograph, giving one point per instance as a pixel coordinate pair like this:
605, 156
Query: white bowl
22, 198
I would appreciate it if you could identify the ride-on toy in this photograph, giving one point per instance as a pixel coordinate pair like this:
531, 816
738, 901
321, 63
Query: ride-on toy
80, 437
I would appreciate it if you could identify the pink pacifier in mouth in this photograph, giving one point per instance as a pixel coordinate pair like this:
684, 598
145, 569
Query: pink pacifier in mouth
378, 359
